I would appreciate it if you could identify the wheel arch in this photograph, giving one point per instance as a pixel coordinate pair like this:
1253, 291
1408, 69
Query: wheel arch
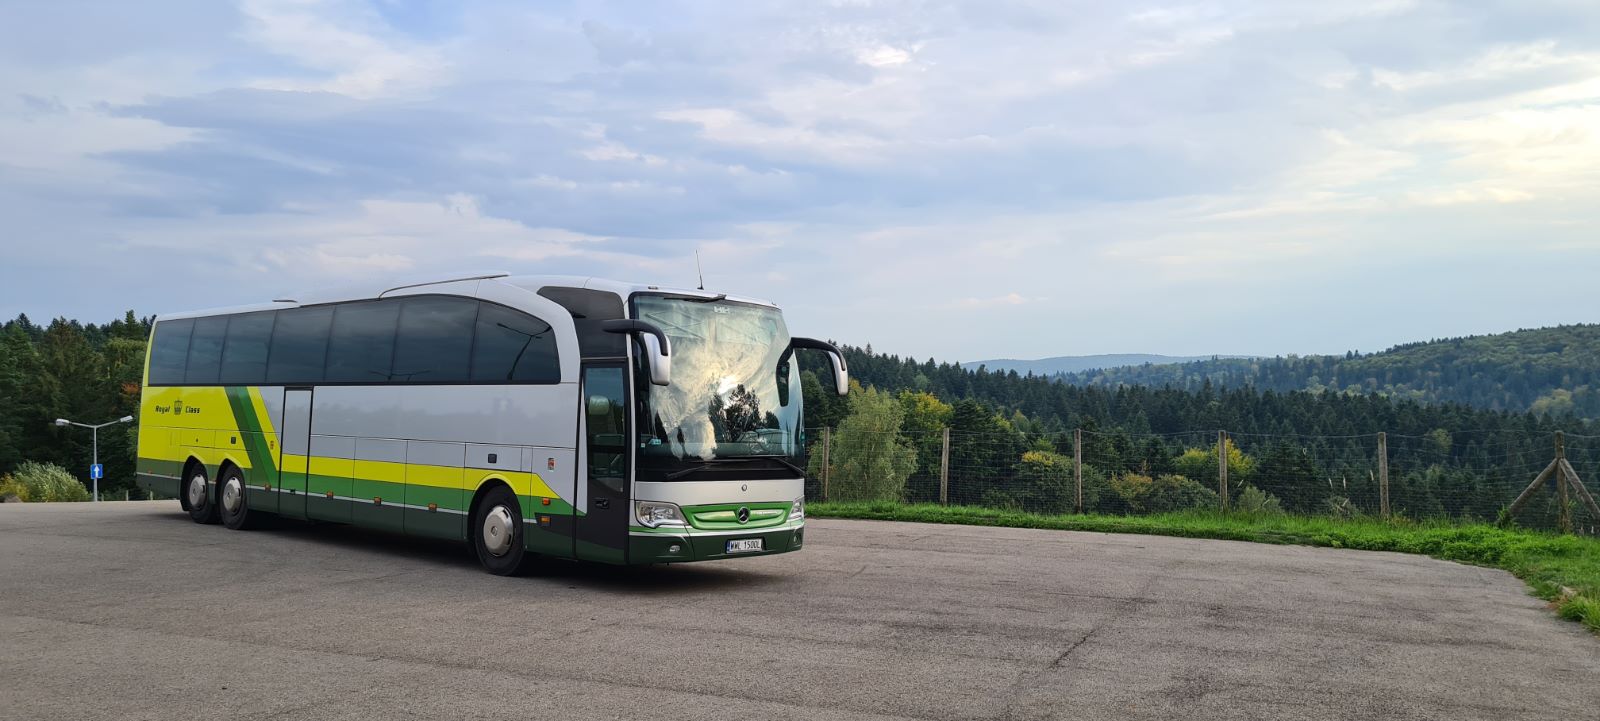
486, 485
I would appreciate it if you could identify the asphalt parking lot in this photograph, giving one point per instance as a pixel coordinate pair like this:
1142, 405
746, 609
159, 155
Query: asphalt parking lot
131, 611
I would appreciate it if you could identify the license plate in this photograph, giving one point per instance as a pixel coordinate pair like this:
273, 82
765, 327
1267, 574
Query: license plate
744, 545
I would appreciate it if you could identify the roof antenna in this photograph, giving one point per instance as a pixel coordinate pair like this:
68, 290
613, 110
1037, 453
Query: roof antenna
698, 270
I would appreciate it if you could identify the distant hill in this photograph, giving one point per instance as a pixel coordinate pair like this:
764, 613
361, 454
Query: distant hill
1544, 370
1080, 363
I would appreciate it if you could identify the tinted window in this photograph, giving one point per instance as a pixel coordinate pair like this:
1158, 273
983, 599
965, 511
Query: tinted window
299, 344
169, 351
205, 350
435, 340
513, 346
244, 353
362, 344
589, 309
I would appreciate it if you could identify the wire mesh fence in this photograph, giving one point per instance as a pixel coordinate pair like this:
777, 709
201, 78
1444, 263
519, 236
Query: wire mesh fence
1462, 476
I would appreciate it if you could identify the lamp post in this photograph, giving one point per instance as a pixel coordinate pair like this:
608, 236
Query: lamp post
96, 433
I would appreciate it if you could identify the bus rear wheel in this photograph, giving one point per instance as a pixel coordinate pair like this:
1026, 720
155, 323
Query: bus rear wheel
234, 506
197, 492
497, 533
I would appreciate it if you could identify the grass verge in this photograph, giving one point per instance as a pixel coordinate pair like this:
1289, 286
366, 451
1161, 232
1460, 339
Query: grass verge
1564, 570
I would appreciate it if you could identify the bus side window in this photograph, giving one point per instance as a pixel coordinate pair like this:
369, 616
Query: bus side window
169, 352
299, 344
515, 347
434, 343
244, 353
205, 351
361, 348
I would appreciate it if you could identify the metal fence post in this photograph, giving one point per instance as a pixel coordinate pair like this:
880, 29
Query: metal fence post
944, 470
1077, 467
1383, 475
1222, 468
827, 463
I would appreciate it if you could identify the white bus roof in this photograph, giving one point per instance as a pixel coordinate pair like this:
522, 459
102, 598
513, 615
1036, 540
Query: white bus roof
530, 283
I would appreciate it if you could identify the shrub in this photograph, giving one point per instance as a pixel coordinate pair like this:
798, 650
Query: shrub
43, 482
1144, 494
1257, 501
1342, 507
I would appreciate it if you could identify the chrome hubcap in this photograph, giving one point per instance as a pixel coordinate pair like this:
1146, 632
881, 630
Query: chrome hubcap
499, 530
197, 491
232, 495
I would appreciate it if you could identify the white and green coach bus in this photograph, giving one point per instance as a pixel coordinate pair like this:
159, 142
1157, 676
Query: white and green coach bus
530, 416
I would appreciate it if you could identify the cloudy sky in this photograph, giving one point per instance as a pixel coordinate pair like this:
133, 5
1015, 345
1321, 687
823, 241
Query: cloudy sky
961, 178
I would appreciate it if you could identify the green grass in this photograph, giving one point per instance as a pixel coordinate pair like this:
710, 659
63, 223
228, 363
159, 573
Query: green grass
1562, 569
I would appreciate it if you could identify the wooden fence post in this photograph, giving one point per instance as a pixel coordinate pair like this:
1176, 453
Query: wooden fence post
1564, 509
1077, 468
944, 470
1383, 475
1222, 468
827, 463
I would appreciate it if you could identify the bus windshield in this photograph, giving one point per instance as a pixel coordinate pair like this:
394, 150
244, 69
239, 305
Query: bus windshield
731, 411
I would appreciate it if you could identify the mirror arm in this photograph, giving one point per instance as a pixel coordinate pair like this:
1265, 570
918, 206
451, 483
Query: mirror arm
814, 344
658, 354
626, 326
841, 372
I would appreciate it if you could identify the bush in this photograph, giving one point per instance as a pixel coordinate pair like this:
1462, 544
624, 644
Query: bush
1161, 494
43, 482
1044, 483
1341, 507
1257, 501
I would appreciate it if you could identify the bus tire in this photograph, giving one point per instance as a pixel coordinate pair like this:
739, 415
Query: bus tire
233, 502
497, 533
197, 493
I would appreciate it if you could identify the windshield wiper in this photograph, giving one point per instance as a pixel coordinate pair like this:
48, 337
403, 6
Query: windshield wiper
719, 296
675, 475
791, 465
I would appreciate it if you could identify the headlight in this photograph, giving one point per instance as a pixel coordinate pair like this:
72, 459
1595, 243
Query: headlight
654, 514
798, 510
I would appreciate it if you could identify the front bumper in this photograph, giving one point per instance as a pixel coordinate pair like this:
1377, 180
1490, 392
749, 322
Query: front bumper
657, 546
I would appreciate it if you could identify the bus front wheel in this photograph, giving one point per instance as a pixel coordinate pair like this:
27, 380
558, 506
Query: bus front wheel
497, 533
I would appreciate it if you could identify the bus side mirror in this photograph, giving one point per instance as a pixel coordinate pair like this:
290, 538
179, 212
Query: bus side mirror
841, 373
657, 349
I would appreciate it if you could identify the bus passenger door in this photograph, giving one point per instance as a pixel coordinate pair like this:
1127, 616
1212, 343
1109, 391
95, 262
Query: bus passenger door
601, 532
295, 445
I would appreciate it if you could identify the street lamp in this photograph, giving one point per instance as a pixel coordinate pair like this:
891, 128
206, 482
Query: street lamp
96, 431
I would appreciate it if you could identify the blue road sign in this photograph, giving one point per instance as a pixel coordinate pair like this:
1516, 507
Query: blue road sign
97, 471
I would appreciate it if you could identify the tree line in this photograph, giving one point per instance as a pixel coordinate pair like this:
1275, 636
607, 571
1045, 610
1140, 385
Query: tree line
1547, 371
1011, 435
1144, 448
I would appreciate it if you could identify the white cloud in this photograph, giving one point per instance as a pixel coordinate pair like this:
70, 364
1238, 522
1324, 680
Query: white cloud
344, 45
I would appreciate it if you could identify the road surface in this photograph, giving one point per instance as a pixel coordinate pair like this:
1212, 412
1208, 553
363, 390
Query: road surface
130, 611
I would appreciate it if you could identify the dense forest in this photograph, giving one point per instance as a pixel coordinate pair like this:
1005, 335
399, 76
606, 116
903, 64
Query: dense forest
1310, 450
1552, 371
85, 373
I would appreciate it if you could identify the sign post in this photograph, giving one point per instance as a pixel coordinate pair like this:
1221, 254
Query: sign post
96, 471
